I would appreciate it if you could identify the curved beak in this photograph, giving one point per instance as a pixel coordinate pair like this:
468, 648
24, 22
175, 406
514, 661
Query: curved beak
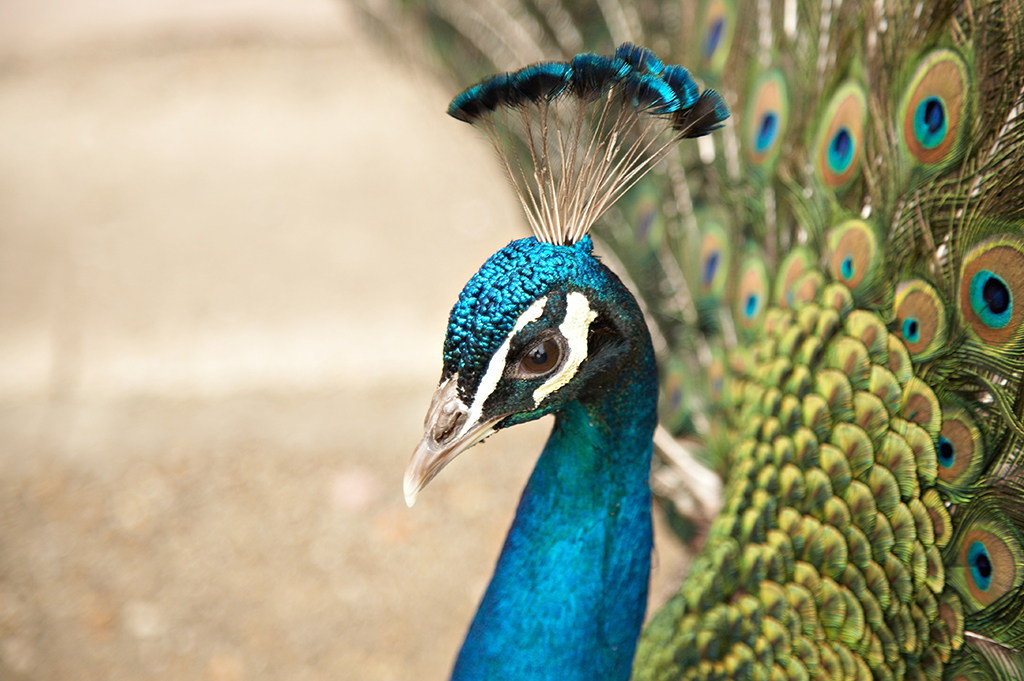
446, 434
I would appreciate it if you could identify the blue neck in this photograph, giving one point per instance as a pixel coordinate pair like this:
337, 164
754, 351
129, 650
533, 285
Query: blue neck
569, 592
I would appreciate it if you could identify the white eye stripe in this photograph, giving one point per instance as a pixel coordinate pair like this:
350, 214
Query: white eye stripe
496, 367
576, 329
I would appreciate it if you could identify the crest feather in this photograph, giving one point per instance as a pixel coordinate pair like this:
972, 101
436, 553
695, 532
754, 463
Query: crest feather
574, 136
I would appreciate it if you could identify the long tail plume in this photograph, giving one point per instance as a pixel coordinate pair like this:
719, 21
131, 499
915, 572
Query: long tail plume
575, 136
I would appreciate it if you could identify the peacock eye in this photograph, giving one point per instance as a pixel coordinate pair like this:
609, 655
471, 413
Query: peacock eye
540, 359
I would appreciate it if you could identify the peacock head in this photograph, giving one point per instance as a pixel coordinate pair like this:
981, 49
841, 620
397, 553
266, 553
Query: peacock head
543, 323
538, 326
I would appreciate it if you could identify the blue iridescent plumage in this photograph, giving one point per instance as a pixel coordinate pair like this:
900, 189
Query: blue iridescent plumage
582, 618
704, 117
652, 95
641, 59
481, 99
679, 79
592, 73
541, 82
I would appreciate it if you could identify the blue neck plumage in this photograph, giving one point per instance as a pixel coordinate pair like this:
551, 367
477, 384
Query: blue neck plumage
570, 589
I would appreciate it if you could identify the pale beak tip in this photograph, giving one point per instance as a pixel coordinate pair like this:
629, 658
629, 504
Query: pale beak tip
409, 487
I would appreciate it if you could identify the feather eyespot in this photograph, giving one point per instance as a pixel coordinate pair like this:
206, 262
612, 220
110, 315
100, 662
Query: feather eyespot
930, 122
989, 563
853, 253
960, 452
713, 261
715, 39
543, 358
646, 217
767, 131
767, 116
945, 452
920, 318
840, 142
790, 276
752, 293
716, 378
846, 268
991, 277
981, 565
710, 267
990, 299
934, 111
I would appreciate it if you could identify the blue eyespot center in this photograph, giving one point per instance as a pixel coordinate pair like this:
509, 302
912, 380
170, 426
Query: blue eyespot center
934, 116
643, 225
911, 330
946, 452
753, 302
710, 268
714, 36
991, 299
840, 151
676, 399
846, 268
980, 564
996, 296
767, 131
930, 122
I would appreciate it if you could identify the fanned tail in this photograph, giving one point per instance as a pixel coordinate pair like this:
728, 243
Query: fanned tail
835, 282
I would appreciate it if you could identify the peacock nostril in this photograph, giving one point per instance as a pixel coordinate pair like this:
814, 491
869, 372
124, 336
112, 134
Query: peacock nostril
449, 423
447, 414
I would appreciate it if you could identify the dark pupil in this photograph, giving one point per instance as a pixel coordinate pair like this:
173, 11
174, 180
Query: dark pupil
714, 35
677, 398
710, 267
912, 328
933, 115
982, 564
945, 449
767, 129
539, 357
996, 296
644, 225
848, 267
841, 143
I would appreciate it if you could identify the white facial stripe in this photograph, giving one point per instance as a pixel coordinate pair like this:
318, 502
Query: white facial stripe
496, 367
575, 328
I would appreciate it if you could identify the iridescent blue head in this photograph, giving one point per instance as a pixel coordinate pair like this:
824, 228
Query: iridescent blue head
538, 326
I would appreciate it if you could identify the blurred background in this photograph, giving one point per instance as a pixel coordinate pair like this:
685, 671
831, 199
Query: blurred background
230, 234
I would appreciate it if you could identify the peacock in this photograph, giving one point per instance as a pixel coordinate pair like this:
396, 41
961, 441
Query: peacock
819, 293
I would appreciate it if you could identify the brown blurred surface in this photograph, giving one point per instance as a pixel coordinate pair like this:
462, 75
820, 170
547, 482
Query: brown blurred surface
230, 233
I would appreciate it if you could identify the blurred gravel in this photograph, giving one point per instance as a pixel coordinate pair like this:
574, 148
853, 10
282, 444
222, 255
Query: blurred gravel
229, 237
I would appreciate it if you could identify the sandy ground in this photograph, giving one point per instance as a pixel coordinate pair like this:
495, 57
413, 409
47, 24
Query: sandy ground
230, 233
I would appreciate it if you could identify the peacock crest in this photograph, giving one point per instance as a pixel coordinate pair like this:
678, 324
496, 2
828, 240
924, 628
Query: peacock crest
574, 136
